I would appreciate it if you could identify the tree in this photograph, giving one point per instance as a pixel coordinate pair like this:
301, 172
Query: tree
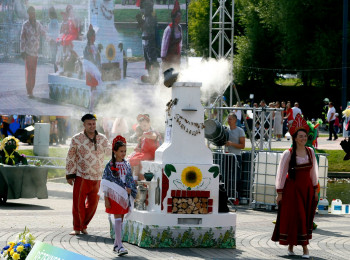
198, 26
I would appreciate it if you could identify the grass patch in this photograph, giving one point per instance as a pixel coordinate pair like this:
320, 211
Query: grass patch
129, 15
335, 159
340, 191
61, 153
289, 82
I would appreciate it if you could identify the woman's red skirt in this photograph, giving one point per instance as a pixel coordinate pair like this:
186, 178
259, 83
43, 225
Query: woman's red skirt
116, 208
296, 211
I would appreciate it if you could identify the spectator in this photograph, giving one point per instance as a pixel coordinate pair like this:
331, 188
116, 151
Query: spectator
331, 121
296, 110
238, 113
28, 120
285, 121
61, 129
235, 143
336, 123
289, 114
278, 122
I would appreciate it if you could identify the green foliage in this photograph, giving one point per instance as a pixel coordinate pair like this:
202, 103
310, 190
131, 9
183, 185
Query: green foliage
198, 26
146, 238
301, 35
187, 239
166, 239
208, 239
168, 169
215, 170
338, 190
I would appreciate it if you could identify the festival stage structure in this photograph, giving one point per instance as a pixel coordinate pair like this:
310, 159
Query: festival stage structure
183, 196
73, 89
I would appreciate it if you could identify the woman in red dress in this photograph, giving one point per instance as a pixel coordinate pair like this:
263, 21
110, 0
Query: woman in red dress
296, 185
148, 144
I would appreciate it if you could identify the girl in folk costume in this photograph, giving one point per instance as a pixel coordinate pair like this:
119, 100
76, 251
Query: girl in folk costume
118, 189
296, 185
172, 40
148, 144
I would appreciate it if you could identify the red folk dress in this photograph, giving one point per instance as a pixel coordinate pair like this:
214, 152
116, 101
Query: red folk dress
72, 34
297, 209
147, 151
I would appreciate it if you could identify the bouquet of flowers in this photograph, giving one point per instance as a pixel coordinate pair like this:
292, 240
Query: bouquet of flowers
18, 248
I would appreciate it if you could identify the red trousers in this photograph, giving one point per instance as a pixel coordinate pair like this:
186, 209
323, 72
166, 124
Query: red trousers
85, 201
31, 62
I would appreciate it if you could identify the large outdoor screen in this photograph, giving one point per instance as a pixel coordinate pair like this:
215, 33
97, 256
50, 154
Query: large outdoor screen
69, 57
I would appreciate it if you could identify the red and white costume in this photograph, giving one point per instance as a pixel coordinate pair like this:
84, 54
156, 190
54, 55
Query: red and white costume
85, 163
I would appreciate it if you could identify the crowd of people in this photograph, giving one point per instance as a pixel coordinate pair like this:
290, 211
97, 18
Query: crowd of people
286, 113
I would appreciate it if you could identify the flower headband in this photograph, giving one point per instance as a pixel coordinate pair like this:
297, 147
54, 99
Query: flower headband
298, 123
118, 138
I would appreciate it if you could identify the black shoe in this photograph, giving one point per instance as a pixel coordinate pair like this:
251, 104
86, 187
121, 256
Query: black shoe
335, 138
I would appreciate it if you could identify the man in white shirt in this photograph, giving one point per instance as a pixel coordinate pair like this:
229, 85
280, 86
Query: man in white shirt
296, 110
331, 120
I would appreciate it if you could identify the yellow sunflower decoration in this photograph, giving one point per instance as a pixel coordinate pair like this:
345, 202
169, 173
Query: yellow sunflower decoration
110, 52
191, 176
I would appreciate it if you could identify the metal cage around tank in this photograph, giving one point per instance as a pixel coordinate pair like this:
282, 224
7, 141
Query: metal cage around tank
259, 166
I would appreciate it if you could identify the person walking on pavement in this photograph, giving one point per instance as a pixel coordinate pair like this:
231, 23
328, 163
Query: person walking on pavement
119, 190
29, 45
331, 120
84, 167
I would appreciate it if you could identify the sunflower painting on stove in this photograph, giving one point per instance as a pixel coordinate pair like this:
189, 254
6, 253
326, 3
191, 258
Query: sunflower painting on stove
191, 176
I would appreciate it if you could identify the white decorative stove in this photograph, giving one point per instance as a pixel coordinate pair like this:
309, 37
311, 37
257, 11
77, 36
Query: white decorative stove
183, 195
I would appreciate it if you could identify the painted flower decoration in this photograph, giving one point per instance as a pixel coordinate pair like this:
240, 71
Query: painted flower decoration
191, 176
110, 52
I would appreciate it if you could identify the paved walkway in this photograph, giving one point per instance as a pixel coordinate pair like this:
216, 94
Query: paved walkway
50, 221
13, 94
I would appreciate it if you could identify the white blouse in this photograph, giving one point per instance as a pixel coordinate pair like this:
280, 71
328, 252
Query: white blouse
282, 169
122, 170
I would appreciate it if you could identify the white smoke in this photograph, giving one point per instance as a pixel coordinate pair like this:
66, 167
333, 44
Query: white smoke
213, 74
130, 100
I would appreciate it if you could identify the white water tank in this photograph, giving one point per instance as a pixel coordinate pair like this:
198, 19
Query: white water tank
323, 206
336, 206
41, 139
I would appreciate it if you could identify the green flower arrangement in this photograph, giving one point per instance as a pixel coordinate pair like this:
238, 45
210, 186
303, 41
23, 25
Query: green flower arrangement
20, 247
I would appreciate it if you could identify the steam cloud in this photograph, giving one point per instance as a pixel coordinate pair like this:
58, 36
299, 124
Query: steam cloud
129, 101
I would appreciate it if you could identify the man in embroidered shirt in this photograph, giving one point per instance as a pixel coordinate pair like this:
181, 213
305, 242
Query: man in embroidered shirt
30, 43
84, 168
